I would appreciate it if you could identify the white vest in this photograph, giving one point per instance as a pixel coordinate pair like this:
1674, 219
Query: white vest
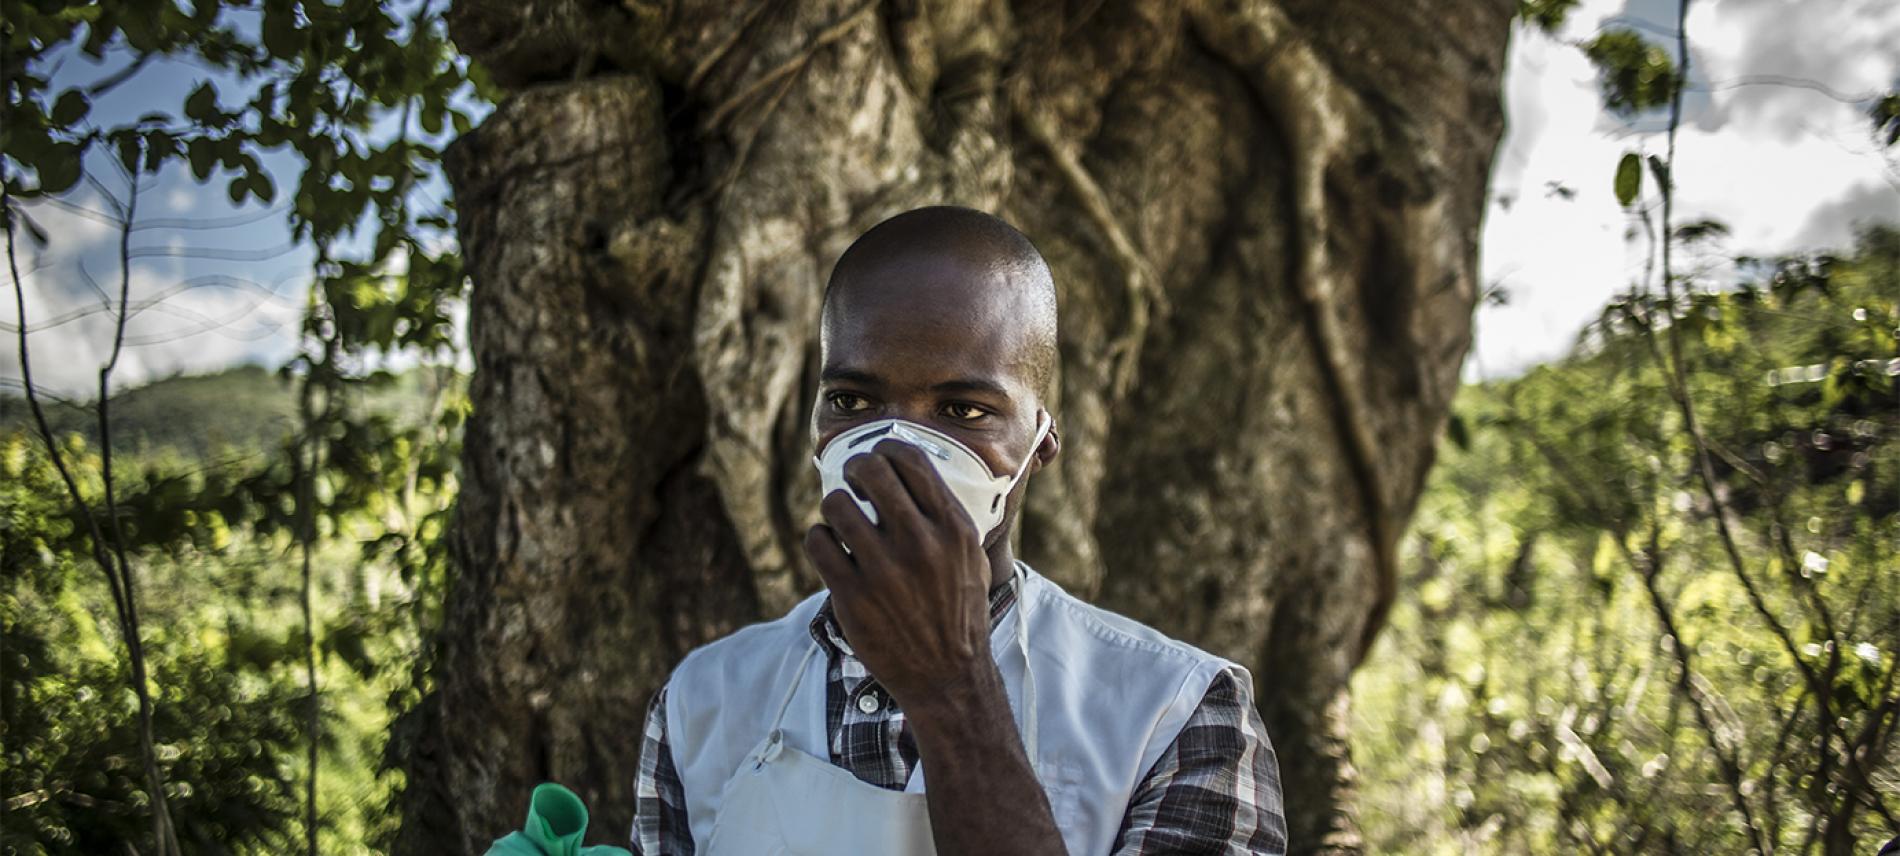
1111, 695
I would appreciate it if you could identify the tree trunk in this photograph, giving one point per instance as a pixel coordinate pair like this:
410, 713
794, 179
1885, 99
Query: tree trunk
1263, 222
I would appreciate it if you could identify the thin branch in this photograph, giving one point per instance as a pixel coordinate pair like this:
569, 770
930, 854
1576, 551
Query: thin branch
1785, 81
107, 83
212, 223
157, 301
118, 581
307, 460
79, 210
167, 837
1648, 566
1685, 403
215, 254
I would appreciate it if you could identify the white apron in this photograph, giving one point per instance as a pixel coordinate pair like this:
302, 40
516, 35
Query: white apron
784, 802
1108, 696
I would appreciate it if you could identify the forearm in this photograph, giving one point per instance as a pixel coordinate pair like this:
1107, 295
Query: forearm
982, 791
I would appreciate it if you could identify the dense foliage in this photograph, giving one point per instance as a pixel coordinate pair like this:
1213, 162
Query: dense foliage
1577, 663
213, 537
359, 97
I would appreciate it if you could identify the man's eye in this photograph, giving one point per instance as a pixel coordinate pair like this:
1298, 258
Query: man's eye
845, 402
964, 412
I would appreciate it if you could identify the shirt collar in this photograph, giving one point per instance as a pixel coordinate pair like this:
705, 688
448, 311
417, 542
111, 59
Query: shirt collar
824, 626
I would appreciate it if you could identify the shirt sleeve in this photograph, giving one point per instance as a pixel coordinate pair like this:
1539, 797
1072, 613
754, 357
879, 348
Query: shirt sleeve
660, 827
1215, 790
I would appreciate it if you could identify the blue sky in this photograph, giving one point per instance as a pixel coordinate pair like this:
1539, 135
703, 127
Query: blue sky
1775, 144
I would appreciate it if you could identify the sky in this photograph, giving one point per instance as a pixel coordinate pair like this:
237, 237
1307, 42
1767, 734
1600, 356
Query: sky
1785, 166
1775, 143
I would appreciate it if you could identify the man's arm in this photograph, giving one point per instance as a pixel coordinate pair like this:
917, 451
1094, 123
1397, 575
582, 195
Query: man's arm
660, 827
912, 597
983, 794
1217, 787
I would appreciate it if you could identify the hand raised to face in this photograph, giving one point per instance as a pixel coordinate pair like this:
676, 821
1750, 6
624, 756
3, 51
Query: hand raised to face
912, 593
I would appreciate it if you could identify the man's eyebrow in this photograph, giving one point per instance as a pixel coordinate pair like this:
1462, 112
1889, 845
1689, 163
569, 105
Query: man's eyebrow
971, 384
837, 374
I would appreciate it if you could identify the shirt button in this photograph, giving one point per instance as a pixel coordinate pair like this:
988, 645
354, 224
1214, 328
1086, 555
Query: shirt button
869, 703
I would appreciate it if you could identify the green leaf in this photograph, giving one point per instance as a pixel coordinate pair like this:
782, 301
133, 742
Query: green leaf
1633, 74
71, 107
1458, 432
202, 104
1885, 114
1698, 231
236, 190
203, 155
1629, 179
230, 153
60, 167
1548, 15
159, 146
431, 116
130, 150
260, 184
280, 33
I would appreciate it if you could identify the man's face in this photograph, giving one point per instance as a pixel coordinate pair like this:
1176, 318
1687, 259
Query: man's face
947, 350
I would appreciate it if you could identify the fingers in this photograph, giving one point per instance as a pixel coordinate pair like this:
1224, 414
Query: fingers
872, 477
834, 565
920, 480
848, 525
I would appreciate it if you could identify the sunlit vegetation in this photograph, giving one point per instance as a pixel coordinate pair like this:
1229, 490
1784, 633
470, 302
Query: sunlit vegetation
1578, 664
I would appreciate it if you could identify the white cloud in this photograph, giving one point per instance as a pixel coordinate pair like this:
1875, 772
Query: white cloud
1786, 168
1772, 64
187, 316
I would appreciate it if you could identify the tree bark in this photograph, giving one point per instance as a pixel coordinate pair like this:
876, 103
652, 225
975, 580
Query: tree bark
1263, 222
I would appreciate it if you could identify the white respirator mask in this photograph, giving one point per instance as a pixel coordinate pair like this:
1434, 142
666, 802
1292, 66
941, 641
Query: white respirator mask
982, 494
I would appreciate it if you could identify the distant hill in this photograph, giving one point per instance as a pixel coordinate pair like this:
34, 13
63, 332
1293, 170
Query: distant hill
241, 409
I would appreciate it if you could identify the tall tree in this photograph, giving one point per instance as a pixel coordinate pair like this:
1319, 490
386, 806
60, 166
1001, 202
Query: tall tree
1263, 218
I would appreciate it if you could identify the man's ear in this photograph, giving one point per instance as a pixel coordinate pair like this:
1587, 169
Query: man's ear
1051, 445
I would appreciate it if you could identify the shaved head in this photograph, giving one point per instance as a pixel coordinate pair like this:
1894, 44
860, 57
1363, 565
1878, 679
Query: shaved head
945, 317
963, 265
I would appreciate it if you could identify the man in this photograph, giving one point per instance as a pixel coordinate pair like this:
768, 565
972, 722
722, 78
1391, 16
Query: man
1043, 725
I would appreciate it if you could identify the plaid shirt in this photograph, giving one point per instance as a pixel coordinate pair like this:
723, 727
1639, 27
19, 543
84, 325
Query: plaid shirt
1215, 790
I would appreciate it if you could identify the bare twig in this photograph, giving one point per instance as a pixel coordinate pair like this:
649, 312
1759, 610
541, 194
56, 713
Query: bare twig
167, 837
1648, 566
111, 560
1678, 373
306, 461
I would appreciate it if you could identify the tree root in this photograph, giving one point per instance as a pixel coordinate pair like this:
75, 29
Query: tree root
1145, 297
825, 37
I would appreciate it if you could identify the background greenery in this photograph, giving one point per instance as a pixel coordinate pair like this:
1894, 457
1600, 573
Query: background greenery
1525, 697
1575, 660
1622, 629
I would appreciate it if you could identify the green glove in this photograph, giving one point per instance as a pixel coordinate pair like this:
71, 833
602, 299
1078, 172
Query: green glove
556, 822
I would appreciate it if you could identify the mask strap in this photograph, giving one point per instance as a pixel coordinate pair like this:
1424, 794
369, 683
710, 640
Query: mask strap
1044, 422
